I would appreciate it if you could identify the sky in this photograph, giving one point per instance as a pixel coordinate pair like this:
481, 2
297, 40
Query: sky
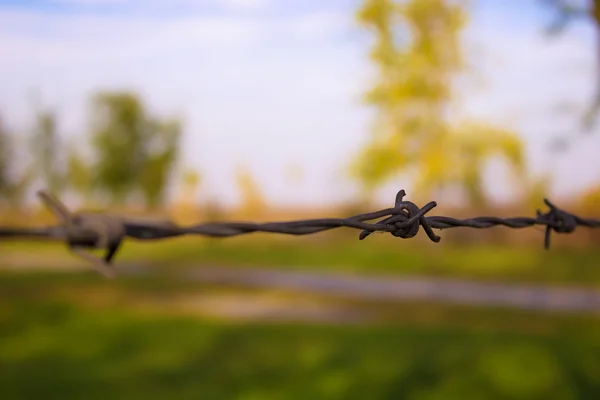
274, 83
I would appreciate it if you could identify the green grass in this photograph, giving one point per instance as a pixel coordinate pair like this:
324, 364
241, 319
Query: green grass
58, 351
383, 255
58, 347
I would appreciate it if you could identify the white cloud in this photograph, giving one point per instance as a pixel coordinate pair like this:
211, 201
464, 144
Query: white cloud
266, 90
94, 39
245, 4
35, 38
90, 2
145, 5
249, 88
320, 24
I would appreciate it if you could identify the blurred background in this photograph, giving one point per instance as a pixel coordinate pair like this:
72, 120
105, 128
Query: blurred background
265, 110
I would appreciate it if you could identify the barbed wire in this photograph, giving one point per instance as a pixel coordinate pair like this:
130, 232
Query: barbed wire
82, 230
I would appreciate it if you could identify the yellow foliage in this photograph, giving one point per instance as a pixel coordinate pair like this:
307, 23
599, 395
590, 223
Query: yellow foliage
535, 190
418, 54
253, 202
591, 199
191, 180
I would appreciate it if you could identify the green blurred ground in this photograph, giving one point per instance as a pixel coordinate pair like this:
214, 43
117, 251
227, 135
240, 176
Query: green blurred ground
75, 335
383, 254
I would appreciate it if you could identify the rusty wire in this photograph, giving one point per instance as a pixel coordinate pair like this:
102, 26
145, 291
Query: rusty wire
102, 231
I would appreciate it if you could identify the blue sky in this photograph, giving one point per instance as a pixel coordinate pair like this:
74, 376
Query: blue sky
274, 83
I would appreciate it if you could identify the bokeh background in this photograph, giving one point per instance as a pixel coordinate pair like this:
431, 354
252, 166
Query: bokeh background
266, 110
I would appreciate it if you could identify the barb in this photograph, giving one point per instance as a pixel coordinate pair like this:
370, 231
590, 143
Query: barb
81, 231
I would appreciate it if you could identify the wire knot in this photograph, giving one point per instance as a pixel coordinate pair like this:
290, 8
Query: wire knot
556, 220
82, 230
406, 219
406, 226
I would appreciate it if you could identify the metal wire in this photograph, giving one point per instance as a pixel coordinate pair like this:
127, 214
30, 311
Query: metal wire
102, 231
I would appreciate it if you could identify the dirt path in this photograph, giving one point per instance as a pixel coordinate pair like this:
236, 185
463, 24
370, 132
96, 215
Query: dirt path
394, 288
387, 288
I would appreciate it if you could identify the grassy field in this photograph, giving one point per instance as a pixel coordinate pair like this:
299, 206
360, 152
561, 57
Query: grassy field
79, 336
73, 336
381, 255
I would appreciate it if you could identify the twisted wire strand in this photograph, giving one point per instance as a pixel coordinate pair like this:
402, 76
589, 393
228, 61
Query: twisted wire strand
404, 220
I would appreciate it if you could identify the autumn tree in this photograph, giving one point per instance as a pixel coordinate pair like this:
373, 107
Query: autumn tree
191, 181
187, 201
253, 202
417, 54
134, 151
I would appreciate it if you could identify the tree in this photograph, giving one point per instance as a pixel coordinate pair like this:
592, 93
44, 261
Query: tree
13, 183
117, 140
161, 154
134, 151
253, 201
191, 181
417, 54
47, 153
79, 175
